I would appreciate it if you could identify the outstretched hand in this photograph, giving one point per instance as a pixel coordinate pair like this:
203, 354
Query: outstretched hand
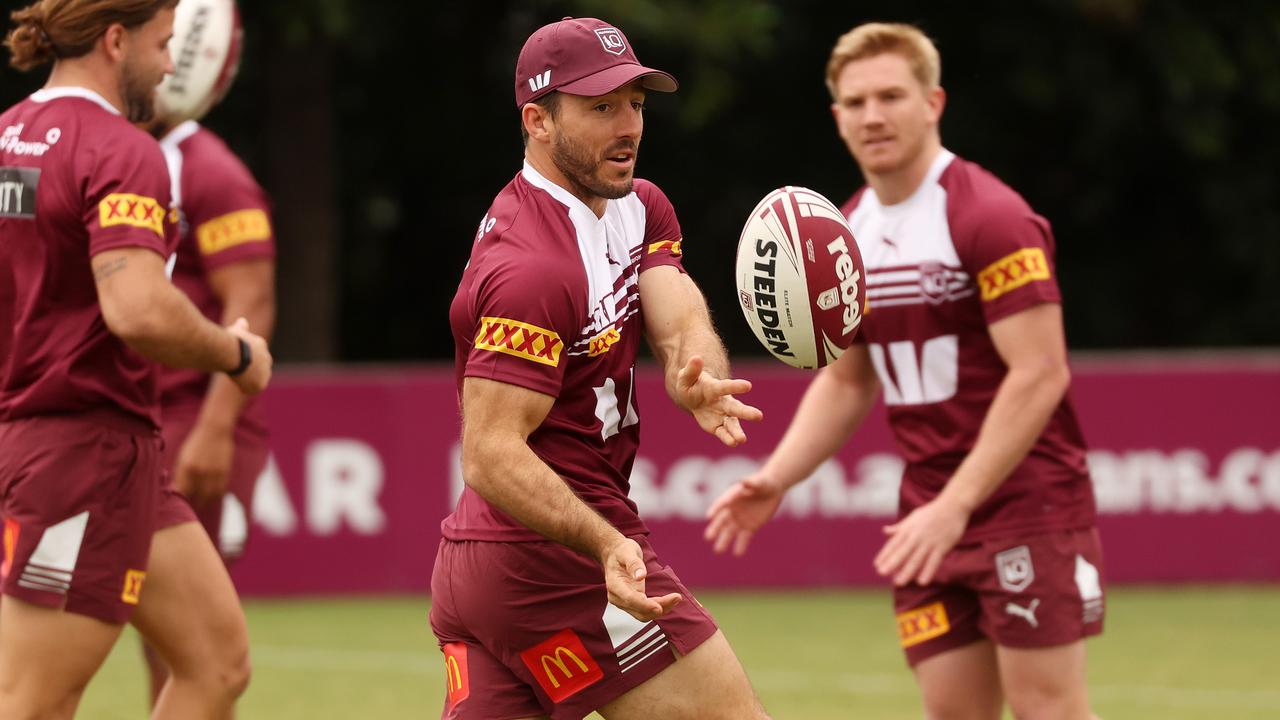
624, 576
711, 401
739, 512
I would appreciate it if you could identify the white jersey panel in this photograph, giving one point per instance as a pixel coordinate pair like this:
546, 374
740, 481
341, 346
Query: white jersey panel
610, 249
907, 248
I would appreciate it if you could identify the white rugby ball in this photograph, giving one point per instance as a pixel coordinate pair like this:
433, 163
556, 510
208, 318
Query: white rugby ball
800, 278
206, 45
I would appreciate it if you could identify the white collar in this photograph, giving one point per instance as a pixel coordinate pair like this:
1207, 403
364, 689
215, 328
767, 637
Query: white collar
936, 168
565, 197
178, 135
65, 91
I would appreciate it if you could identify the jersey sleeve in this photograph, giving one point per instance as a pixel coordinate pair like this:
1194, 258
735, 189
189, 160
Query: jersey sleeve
525, 317
127, 199
228, 212
1009, 253
662, 237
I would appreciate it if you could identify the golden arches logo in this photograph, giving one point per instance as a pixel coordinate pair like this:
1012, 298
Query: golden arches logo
452, 675
562, 665
11, 530
556, 660
456, 685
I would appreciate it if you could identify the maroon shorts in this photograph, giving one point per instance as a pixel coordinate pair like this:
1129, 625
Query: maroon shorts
1032, 591
527, 630
79, 497
226, 520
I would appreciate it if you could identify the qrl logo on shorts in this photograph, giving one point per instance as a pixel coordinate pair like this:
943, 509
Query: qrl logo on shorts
1014, 569
562, 665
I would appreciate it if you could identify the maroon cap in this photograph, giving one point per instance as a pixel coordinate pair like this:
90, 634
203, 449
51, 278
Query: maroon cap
581, 56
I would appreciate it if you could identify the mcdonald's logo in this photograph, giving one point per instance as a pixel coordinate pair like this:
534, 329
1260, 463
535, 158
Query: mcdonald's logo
561, 665
11, 531
457, 683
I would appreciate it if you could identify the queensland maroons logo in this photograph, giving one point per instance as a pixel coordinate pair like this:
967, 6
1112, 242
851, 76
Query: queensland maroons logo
934, 280
1014, 568
611, 39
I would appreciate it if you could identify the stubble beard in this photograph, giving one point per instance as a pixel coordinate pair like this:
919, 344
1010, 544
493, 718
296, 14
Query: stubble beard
138, 92
575, 162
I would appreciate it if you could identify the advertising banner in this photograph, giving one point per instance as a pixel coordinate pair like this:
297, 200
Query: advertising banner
1185, 457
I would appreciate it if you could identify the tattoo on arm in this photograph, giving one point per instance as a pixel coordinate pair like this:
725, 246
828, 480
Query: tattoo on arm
108, 269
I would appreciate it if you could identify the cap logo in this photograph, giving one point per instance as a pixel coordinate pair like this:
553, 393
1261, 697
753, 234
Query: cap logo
612, 40
537, 82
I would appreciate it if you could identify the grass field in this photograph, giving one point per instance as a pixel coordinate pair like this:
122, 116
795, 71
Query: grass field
1171, 654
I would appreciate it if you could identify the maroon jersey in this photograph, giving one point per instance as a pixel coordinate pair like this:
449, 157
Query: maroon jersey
76, 179
961, 253
550, 301
224, 218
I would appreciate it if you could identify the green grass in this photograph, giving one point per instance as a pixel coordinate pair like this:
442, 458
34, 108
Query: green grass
1172, 654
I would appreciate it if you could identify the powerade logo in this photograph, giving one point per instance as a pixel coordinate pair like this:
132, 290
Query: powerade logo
765, 292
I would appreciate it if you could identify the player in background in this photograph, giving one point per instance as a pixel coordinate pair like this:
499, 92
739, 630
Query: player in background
85, 313
547, 598
215, 436
994, 558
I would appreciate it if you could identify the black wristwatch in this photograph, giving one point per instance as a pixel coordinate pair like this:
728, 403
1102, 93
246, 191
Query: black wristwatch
246, 358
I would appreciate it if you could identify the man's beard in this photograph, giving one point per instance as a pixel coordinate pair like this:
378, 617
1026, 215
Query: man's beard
577, 165
138, 93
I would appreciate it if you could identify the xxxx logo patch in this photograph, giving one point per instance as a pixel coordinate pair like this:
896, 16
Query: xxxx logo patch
133, 210
233, 229
603, 342
671, 245
923, 623
133, 586
518, 339
1012, 272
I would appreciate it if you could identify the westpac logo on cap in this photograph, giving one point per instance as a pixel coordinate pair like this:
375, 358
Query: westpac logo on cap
539, 81
612, 40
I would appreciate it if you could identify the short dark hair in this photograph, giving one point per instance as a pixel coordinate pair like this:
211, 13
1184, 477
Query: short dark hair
549, 102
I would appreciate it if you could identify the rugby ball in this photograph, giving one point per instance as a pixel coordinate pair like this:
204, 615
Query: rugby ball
800, 278
206, 45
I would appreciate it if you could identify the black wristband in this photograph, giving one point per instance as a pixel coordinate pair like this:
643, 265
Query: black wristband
246, 358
